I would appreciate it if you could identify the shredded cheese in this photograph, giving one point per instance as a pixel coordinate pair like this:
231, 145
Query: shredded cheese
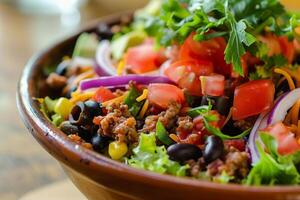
144, 109
115, 100
120, 67
287, 119
76, 92
174, 137
85, 75
295, 73
287, 76
143, 96
82, 97
297, 83
203, 83
293, 128
295, 112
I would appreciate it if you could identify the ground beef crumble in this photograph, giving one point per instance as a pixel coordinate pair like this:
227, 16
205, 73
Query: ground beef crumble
235, 163
76, 138
185, 124
118, 124
56, 81
168, 118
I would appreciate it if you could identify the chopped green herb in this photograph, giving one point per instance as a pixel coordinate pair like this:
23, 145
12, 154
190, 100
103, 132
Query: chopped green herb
162, 134
133, 105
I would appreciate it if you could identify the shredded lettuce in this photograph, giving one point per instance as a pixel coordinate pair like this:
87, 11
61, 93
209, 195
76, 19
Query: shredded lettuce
86, 46
47, 106
147, 155
273, 168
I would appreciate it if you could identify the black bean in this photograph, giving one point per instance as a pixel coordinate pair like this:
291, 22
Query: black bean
214, 149
93, 108
62, 67
85, 133
104, 31
99, 142
223, 105
68, 128
184, 152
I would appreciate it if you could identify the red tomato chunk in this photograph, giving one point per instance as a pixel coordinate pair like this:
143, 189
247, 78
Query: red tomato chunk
252, 98
162, 94
286, 140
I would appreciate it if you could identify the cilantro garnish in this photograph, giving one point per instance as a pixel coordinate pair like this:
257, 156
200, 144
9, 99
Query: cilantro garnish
237, 21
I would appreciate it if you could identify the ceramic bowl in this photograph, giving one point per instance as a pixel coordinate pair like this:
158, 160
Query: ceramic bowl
99, 177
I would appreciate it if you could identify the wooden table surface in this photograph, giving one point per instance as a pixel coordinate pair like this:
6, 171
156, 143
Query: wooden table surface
24, 165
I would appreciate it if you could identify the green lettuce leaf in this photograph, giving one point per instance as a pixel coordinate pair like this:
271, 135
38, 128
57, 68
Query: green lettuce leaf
147, 155
86, 46
273, 168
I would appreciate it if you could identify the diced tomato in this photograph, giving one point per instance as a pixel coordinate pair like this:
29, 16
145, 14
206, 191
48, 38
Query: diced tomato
143, 58
296, 45
191, 82
103, 94
252, 98
272, 43
287, 48
286, 140
212, 50
186, 73
162, 94
199, 123
250, 59
239, 144
212, 85
279, 45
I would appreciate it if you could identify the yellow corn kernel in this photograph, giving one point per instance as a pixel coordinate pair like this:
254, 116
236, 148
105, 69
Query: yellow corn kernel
117, 150
63, 107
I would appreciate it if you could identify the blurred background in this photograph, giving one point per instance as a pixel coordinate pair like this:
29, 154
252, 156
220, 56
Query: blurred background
27, 26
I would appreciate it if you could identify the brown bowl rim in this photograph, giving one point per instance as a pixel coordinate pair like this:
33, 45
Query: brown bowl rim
33, 117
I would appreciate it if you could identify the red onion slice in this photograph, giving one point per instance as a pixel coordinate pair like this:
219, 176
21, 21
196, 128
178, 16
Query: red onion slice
260, 124
104, 65
283, 104
109, 81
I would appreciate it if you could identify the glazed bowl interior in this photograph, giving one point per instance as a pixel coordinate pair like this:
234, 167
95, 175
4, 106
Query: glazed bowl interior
103, 171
